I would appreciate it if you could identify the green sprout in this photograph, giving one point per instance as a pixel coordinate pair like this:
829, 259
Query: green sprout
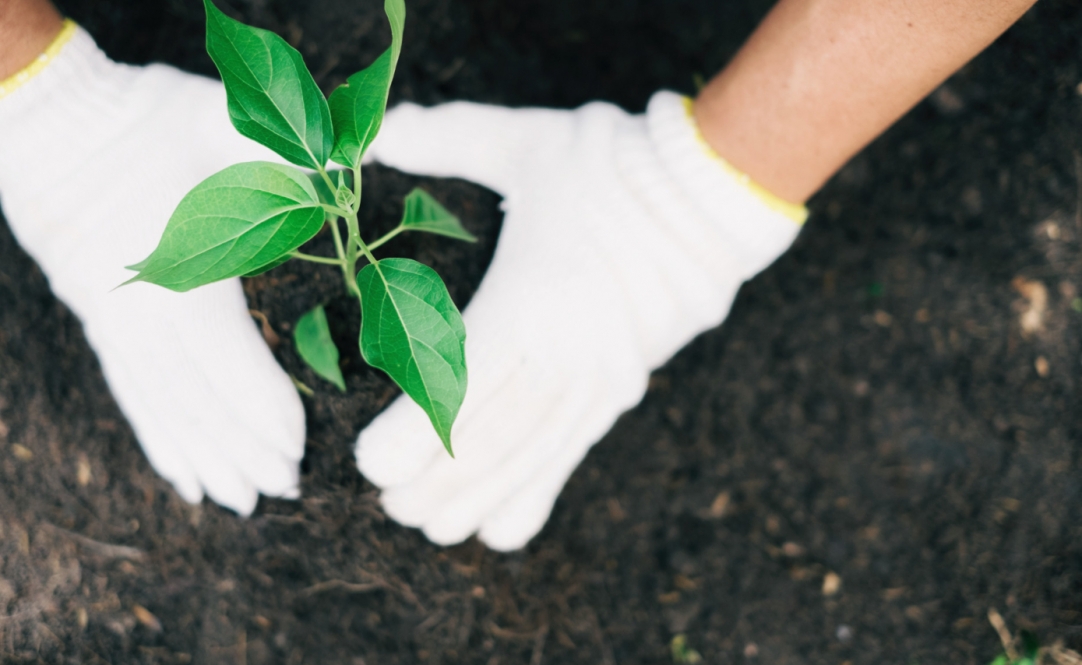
1026, 649
682, 654
254, 216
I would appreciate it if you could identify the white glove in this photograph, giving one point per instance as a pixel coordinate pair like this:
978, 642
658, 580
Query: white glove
624, 237
94, 157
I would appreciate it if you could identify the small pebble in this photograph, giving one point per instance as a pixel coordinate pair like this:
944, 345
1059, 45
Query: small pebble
144, 616
831, 584
844, 633
82, 470
792, 550
721, 502
751, 650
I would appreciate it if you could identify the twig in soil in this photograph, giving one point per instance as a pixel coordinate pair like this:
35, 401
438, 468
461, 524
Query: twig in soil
351, 587
433, 619
539, 645
104, 550
269, 336
1064, 656
240, 648
538, 637
599, 635
1000, 625
505, 634
467, 624
1078, 188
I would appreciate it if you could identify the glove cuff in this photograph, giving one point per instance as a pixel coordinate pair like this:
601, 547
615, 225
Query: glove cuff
16, 80
66, 103
762, 224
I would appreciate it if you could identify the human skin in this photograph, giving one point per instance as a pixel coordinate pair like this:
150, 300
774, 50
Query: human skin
26, 28
820, 79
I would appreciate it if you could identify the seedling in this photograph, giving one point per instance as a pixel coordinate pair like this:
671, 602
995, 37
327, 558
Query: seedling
1026, 649
682, 654
254, 216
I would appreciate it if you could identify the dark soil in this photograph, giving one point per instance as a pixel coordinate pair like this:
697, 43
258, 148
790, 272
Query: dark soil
872, 408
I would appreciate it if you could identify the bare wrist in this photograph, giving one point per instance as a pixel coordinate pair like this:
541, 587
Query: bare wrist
820, 79
26, 29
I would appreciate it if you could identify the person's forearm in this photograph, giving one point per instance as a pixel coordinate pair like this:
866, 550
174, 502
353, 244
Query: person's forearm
820, 79
26, 28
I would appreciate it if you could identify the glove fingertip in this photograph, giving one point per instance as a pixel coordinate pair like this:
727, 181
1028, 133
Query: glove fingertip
237, 495
457, 140
188, 488
397, 446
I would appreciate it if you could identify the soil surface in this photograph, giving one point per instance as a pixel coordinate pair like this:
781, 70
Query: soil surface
882, 441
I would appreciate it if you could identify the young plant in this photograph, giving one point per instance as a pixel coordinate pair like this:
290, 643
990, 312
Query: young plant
1026, 649
254, 216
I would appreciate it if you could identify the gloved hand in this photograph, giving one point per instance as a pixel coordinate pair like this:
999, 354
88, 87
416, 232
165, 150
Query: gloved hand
624, 237
94, 157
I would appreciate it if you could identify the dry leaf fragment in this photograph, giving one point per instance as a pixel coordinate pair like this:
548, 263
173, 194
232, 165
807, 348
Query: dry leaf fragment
792, 550
616, 511
721, 502
832, 583
269, 336
82, 470
144, 616
685, 583
1036, 295
1064, 656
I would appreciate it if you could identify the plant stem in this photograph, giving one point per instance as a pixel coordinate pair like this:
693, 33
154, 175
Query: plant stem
335, 210
318, 259
354, 240
355, 230
372, 246
339, 249
327, 179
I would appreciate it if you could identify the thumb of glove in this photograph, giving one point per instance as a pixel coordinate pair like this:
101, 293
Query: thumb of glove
475, 142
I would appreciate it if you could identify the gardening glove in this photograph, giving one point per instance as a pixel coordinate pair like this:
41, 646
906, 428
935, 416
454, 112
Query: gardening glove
624, 237
94, 157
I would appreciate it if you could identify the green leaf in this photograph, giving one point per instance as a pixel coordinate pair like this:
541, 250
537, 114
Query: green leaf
1030, 644
412, 330
358, 105
259, 271
424, 213
315, 346
235, 222
325, 193
1001, 659
271, 95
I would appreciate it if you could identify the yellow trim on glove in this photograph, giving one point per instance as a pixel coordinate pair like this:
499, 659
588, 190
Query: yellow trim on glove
16, 80
794, 211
